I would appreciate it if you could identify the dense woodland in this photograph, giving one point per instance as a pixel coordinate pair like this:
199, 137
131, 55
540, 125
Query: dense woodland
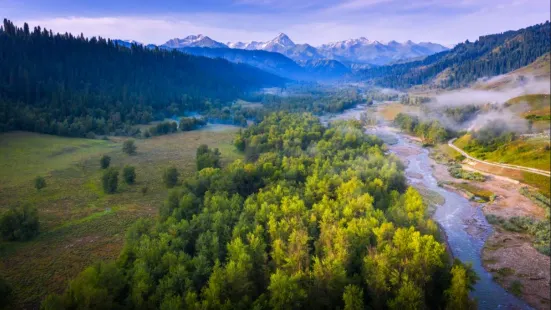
306, 100
488, 56
72, 86
322, 218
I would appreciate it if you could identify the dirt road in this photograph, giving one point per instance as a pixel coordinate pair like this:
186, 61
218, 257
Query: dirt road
514, 167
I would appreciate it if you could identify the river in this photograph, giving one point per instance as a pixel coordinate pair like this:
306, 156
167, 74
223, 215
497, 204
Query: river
452, 216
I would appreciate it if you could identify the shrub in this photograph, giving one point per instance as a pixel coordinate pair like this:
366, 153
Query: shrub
129, 174
170, 177
207, 158
457, 172
129, 147
516, 287
19, 223
90, 135
110, 180
39, 182
5, 293
105, 161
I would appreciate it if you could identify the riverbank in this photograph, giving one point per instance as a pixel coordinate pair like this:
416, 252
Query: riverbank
464, 224
509, 256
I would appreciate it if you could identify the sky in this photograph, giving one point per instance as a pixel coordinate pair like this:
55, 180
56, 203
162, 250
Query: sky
305, 21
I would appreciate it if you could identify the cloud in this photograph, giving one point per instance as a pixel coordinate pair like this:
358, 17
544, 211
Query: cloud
308, 21
155, 30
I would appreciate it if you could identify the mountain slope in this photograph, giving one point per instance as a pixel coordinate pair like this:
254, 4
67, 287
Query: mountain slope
194, 41
326, 67
489, 56
537, 70
271, 62
69, 85
363, 50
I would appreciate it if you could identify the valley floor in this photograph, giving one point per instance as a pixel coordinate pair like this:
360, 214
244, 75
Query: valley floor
79, 224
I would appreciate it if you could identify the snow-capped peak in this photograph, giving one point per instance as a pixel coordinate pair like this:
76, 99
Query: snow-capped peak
282, 40
194, 41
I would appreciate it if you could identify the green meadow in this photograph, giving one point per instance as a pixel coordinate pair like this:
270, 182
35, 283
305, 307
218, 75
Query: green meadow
79, 223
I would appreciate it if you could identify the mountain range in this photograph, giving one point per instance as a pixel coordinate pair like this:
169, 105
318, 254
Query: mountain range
388, 64
284, 57
353, 51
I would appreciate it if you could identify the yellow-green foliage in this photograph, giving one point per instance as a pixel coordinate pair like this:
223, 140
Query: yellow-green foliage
541, 182
318, 210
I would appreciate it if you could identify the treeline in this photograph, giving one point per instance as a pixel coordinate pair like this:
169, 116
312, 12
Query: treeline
488, 56
490, 138
322, 219
430, 132
333, 101
305, 100
168, 127
72, 86
414, 100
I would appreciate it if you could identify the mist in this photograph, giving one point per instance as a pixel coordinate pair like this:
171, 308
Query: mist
490, 103
527, 86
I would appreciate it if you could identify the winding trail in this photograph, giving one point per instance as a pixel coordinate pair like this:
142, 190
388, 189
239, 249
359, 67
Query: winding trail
507, 166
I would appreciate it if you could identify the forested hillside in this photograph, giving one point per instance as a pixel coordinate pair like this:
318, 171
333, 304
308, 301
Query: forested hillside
275, 63
488, 56
74, 86
318, 218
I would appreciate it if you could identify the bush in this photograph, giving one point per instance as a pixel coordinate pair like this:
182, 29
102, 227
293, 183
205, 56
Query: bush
170, 177
191, 123
5, 293
90, 135
129, 147
540, 230
207, 158
110, 180
39, 182
105, 161
457, 172
129, 174
19, 223
516, 288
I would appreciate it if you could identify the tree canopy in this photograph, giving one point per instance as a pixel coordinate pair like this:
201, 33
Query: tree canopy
322, 218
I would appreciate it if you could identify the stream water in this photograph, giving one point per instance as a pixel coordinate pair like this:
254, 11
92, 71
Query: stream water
457, 217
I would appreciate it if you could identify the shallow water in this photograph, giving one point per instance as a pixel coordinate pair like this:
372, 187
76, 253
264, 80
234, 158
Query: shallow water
452, 217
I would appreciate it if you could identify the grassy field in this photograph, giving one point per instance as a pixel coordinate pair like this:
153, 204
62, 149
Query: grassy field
79, 223
443, 154
389, 110
536, 108
533, 152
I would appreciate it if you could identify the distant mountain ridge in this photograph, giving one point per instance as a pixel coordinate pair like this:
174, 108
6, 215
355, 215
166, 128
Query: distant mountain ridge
490, 55
361, 50
302, 61
353, 51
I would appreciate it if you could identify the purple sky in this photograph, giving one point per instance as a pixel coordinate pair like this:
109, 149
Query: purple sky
305, 21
